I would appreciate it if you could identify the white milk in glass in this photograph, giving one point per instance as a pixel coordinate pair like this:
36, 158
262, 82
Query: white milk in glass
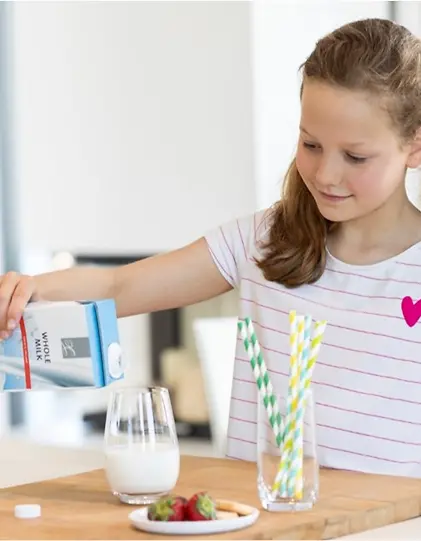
143, 468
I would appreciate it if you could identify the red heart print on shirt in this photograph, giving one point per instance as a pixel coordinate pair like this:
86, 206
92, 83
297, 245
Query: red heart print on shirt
411, 311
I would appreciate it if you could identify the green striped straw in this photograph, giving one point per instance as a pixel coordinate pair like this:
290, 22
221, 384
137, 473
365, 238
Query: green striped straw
252, 347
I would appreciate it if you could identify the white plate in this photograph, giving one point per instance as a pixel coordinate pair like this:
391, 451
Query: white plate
139, 519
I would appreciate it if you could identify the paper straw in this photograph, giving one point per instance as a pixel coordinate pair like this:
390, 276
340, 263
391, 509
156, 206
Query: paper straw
316, 343
296, 330
253, 350
307, 339
295, 464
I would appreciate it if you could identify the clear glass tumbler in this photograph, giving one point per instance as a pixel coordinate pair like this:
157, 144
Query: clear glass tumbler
288, 471
141, 445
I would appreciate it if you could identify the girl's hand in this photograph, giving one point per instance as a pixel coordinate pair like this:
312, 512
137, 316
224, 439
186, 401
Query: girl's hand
16, 290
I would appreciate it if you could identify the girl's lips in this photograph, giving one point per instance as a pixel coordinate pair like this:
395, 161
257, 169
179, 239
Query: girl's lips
334, 198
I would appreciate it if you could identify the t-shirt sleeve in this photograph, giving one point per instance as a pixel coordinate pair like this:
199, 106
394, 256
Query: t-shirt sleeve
235, 243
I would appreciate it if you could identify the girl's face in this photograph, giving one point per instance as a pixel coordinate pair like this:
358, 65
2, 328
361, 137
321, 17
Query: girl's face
350, 158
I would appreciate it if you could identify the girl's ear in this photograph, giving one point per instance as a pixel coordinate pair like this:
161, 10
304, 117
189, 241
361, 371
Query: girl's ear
414, 156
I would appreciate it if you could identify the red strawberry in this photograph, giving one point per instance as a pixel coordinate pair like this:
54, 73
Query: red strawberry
201, 506
168, 509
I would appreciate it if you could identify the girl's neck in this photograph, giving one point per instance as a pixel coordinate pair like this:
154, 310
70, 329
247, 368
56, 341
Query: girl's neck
385, 233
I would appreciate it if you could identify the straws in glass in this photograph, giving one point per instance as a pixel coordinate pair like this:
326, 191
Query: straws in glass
305, 344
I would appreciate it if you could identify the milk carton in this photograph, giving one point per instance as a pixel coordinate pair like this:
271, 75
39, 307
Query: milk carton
62, 345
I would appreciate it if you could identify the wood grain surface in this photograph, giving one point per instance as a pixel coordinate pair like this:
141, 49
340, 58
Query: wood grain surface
82, 507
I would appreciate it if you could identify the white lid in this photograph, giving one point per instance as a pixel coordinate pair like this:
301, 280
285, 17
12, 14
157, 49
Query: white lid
28, 511
116, 361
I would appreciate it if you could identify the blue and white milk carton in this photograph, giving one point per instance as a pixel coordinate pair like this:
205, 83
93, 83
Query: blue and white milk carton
63, 345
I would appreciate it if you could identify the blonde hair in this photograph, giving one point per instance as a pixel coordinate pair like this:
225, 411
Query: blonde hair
376, 56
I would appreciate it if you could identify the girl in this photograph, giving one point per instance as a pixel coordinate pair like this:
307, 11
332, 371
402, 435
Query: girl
343, 244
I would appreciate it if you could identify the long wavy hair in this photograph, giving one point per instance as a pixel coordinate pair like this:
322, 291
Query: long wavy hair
376, 56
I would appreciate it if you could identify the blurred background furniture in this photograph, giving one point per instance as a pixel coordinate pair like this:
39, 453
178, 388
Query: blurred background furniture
216, 340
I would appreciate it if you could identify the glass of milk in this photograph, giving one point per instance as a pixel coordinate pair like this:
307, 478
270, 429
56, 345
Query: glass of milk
141, 445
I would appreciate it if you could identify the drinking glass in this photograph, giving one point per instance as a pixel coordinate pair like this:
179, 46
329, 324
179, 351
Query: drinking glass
141, 445
299, 484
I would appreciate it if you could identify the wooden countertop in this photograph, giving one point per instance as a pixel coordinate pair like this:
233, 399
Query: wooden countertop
81, 506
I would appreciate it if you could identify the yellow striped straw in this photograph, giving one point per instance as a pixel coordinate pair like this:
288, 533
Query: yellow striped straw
316, 342
296, 331
294, 471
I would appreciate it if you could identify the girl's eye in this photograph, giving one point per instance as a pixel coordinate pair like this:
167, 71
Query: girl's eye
349, 157
356, 159
310, 146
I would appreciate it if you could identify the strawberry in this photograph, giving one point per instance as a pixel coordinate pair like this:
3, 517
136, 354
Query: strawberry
168, 509
201, 506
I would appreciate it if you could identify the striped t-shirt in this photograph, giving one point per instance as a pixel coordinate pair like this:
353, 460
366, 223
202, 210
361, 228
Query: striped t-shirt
367, 380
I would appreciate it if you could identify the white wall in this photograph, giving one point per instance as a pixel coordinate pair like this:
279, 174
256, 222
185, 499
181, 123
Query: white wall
134, 119
409, 14
284, 34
